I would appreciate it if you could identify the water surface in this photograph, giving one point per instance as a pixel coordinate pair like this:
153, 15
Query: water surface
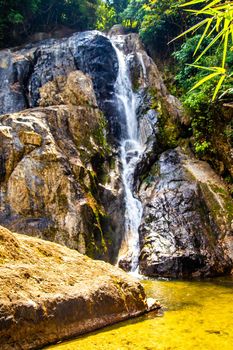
195, 315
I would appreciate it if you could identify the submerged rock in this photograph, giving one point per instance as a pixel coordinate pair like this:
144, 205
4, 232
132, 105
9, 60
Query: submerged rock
187, 220
49, 293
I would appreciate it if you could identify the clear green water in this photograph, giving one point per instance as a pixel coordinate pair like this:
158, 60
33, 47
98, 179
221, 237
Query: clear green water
195, 315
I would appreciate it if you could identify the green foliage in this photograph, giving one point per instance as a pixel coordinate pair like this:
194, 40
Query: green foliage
119, 6
202, 147
197, 103
229, 132
15, 17
203, 114
106, 16
217, 23
109, 12
22, 18
202, 120
189, 74
157, 21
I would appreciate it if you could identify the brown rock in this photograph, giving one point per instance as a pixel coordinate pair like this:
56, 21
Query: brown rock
30, 138
46, 174
49, 292
75, 89
52, 161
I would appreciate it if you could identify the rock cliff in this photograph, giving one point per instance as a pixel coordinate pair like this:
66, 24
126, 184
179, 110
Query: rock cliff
60, 174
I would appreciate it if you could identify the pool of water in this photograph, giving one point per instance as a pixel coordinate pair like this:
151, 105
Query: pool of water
195, 315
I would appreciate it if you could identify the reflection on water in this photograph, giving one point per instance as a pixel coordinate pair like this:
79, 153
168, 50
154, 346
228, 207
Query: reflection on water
196, 315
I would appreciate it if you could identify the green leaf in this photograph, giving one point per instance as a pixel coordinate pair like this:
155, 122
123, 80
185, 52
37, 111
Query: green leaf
212, 69
211, 44
218, 87
193, 28
210, 5
194, 2
203, 80
203, 35
225, 48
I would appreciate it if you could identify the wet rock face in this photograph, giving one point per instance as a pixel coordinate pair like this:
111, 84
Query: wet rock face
14, 72
49, 292
183, 231
24, 72
94, 54
51, 59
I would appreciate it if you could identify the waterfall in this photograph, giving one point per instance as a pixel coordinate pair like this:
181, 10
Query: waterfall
130, 150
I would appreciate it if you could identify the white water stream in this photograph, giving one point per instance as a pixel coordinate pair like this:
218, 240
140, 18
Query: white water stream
131, 150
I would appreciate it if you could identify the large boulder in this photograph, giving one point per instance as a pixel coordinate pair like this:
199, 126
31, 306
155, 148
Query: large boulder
187, 223
49, 292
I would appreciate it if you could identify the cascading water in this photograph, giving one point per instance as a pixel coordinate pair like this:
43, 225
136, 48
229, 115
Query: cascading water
131, 150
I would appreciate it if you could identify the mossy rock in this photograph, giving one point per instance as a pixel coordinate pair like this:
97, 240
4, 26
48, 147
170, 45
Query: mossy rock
169, 130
